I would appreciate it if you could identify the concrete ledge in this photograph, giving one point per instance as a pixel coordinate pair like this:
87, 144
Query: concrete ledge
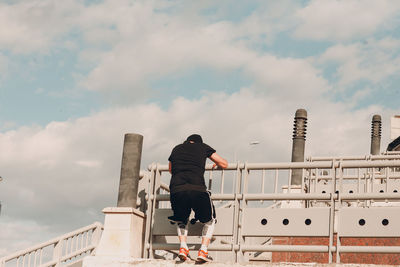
91, 261
123, 210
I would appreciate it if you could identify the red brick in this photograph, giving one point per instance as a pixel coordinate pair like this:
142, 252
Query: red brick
366, 258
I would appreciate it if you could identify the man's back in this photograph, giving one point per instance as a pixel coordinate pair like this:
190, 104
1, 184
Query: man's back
188, 166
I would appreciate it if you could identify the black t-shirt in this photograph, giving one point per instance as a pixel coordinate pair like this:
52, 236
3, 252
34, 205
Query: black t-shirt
188, 165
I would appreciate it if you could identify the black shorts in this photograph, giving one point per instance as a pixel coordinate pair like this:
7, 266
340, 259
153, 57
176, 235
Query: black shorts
200, 202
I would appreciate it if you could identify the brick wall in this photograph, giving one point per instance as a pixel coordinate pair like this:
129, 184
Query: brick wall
368, 258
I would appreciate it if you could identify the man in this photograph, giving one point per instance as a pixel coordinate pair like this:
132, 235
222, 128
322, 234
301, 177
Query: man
188, 191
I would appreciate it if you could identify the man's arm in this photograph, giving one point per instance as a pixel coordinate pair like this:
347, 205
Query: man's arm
219, 161
170, 167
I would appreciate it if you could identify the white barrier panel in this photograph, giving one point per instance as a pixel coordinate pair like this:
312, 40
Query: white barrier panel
286, 222
369, 222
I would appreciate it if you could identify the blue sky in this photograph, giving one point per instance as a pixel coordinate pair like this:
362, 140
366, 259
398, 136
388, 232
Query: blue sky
40, 85
76, 75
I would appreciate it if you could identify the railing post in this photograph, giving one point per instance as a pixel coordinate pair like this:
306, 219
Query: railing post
242, 205
332, 212
149, 210
57, 252
96, 235
157, 177
339, 203
235, 246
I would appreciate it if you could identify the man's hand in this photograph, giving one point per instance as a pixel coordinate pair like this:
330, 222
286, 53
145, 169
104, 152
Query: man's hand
218, 161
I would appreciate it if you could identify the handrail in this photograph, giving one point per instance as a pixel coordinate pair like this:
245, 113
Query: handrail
373, 178
60, 253
367, 157
301, 165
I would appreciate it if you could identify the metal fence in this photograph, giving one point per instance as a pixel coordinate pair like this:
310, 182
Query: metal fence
256, 202
59, 251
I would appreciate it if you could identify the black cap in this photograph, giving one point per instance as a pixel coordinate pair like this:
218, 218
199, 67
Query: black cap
195, 138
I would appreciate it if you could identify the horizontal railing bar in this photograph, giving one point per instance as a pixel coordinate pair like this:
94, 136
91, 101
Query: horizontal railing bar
165, 197
273, 196
355, 177
288, 196
370, 164
288, 165
369, 249
370, 196
370, 157
51, 242
304, 165
391, 153
164, 186
285, 248
50, 263
231, 166
77, 253
324, 164
298, 196
176, 246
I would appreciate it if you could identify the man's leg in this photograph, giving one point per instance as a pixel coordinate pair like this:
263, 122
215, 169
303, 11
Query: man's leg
205, 213
182, 230
179, 204
208, 230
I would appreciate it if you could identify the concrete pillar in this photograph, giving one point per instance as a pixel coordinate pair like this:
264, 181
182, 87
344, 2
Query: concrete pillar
123, 234
130, 168
299, 140
122, 240
376, 134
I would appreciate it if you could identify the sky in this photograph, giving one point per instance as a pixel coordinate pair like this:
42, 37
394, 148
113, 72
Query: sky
76, 75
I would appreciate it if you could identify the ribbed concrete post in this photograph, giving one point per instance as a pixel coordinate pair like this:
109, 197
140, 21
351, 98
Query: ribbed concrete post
376, 135
130, 168
299, 140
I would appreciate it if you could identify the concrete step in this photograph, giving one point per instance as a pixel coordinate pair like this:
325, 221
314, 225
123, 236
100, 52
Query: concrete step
92, 261
75, 264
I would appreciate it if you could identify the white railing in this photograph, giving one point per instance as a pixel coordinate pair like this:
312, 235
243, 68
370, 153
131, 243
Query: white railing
59, 251
389, 155
244, 187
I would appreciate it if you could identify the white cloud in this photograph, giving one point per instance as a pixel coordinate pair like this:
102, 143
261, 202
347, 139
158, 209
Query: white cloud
344, 19
57, 176
179, 47
372, 60
14, 238
145, 45
39, 91
89, 163
294, 79
7, 125
35, 25
162, 50
3, 66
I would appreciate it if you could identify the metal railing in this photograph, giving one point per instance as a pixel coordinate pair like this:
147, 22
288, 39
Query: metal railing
59, 251
389, 155
251, 188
